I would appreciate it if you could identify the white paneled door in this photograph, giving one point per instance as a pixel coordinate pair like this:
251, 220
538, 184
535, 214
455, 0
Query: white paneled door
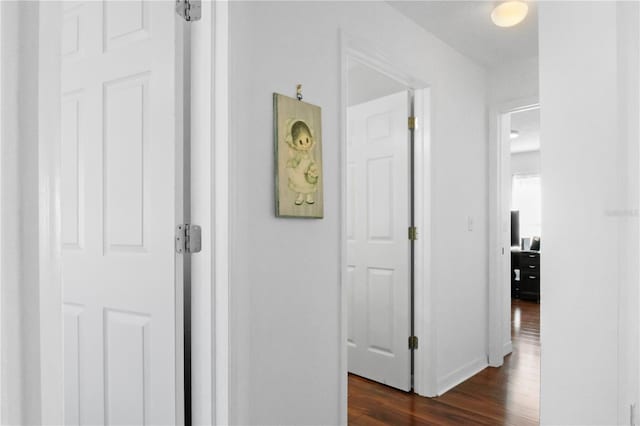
120, 204
378, 249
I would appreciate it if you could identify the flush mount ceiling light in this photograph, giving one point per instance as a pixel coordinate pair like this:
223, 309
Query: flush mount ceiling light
514, 134
509, 13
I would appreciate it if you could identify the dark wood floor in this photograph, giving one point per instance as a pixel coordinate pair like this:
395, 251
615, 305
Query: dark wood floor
506, 395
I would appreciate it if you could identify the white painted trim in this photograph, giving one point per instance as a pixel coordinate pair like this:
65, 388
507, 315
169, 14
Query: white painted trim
202, 292
425, 293
181, 134
210, 205
11, 359
499, 313
50, 274
221, 203
343, 369
507, 348
3, 397
425, 359
369, 55
461, 374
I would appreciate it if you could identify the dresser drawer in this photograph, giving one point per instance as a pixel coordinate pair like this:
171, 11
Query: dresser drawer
530, 285
530, 267
529, 260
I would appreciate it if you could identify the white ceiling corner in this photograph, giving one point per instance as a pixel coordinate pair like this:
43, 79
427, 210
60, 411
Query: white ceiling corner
466, 26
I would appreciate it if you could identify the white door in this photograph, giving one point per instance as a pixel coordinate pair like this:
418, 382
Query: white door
120, 204
378, 249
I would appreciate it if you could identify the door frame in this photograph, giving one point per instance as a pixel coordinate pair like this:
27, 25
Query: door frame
49, 301
499, 294
424, 322
210, 155
211, 41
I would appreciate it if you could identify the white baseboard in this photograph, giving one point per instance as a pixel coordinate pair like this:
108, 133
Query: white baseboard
458, 376
507, 348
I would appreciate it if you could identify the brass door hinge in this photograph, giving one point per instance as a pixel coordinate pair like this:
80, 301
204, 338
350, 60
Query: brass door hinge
413, 233
413, 342
412, 123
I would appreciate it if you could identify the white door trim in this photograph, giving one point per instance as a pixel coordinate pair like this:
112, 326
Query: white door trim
3, 215
50, 275
499, 341
210, 181
424, 363
14, 149
425, 378
221, 203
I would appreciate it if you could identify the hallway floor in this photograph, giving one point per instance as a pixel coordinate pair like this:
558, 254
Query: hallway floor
506, 395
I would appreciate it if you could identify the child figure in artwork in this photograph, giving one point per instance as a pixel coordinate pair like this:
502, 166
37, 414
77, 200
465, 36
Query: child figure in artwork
301, 167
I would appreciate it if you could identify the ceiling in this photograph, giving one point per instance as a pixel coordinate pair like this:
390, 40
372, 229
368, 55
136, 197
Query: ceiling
467, 27
527, 124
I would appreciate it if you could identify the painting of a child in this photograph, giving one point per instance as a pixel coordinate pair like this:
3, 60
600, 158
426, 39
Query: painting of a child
298, 158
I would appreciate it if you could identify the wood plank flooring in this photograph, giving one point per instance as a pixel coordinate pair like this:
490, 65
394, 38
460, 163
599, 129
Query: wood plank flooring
507, 395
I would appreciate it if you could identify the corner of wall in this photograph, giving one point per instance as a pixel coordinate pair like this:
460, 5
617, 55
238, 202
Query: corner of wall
454, 378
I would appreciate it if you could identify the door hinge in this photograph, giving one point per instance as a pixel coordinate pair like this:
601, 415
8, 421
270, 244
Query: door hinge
413, 342
190, 10
188, 239
413, 233
412, 123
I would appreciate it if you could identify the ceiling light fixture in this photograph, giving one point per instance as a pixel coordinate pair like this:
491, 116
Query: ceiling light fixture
514, 134
509, 13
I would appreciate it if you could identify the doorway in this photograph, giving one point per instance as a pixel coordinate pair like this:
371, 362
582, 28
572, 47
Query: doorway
379, 213
368, 65
520, 238
526, 208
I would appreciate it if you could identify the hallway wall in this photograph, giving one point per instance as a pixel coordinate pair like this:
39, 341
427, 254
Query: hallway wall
513, 81
589, 93
285, 277
10, 322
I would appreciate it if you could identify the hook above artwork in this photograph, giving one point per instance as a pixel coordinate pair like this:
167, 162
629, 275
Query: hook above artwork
299, 92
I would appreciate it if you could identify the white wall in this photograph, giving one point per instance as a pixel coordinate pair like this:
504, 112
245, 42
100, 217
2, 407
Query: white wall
589, 117
10, 372
513, 81
285, 289
525, 163
629, 230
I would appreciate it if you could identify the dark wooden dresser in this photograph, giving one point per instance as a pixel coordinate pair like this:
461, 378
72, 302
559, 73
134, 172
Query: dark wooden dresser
526, 283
